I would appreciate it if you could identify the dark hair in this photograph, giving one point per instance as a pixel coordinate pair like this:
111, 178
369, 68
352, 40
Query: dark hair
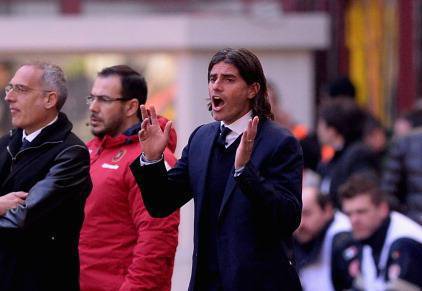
133, 83
250, 70
345, 116
362, 183
341, 87
371, 124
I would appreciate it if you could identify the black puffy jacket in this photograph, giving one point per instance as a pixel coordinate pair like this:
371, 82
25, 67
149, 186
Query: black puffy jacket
402, 175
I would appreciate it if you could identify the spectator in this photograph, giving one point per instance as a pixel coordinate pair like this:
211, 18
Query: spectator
320, 229
387, 254
340, 125
402, 174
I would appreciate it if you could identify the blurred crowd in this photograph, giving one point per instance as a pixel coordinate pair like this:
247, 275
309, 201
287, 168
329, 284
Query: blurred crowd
362, 195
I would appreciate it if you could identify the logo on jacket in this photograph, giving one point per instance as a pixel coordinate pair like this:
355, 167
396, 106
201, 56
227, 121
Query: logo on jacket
118, 156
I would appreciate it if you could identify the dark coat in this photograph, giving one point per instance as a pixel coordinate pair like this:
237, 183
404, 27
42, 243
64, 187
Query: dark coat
260, 208
352, 159
39, 240
402, 177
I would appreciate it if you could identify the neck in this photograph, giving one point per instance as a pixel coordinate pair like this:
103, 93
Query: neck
47, 120
127, 124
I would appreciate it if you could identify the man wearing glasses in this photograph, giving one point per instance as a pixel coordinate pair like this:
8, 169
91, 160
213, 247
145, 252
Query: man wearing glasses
44, 181
121, 246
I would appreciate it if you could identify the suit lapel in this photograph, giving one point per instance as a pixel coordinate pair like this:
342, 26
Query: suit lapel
203, 161
231, 183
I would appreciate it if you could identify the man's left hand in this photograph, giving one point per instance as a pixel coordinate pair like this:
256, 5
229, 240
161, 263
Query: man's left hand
244, 151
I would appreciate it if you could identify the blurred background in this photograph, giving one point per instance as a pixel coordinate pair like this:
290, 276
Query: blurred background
304, 46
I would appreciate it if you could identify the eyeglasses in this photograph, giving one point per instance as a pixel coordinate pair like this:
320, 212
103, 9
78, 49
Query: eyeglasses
103, 99
21, 89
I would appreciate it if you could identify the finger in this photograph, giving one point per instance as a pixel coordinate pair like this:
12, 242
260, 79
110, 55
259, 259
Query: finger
21, 194
17, 201
167, 129
253, 128
153, 115
145, 124
144, 112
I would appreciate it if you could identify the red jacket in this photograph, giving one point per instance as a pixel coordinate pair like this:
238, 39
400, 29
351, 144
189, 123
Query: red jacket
121, 247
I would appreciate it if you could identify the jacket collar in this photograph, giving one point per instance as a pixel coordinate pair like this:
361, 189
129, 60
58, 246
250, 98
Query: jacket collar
53, 133
128, 137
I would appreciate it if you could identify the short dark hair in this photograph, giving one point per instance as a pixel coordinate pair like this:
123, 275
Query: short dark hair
342, 87
371, 124
250, 69
363, 184
133, 83
345, 116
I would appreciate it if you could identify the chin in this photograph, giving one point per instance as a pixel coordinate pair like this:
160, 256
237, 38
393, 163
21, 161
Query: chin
97, 133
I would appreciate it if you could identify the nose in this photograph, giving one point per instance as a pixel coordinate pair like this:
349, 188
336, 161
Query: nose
93, 106
8, 97
216, 84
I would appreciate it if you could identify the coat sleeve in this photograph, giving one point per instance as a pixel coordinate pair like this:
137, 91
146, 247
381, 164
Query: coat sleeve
276, 186
67, 179
164, 192
392, 181
154, 252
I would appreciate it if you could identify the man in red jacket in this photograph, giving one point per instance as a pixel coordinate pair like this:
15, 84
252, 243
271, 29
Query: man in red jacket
121, 247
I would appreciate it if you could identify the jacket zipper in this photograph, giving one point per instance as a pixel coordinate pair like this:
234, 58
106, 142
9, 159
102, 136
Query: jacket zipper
15, 156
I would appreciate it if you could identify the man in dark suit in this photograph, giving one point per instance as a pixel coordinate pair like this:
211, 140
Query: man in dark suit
44, 181
244, 173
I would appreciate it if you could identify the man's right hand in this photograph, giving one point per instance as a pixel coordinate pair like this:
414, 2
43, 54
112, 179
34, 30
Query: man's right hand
152, 139
11, 200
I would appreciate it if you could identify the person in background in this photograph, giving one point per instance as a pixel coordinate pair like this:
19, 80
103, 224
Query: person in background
402, 172
387, 252
340, 125
375, 138
244, 173
121, 246
408, 121
44, 182
320, 231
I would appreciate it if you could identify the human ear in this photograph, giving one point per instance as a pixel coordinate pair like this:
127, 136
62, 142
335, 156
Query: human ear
132, 107
50, 100
253, 90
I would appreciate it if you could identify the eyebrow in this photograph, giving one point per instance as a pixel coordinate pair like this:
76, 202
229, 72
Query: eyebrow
225, 75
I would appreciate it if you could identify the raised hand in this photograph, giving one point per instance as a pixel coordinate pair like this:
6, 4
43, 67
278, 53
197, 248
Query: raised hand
11, 200
153, 140
244, 150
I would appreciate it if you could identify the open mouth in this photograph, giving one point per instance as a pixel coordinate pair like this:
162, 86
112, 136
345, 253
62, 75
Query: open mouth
217, 102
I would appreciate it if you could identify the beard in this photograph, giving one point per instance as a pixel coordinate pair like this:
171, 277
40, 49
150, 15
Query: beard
110, 127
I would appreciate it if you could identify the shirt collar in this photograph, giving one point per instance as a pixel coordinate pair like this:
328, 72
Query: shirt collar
240, 125
32, 136
237, 128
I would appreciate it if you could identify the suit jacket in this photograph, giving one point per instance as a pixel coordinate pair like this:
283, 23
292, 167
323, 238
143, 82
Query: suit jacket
259, 212
39, 239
